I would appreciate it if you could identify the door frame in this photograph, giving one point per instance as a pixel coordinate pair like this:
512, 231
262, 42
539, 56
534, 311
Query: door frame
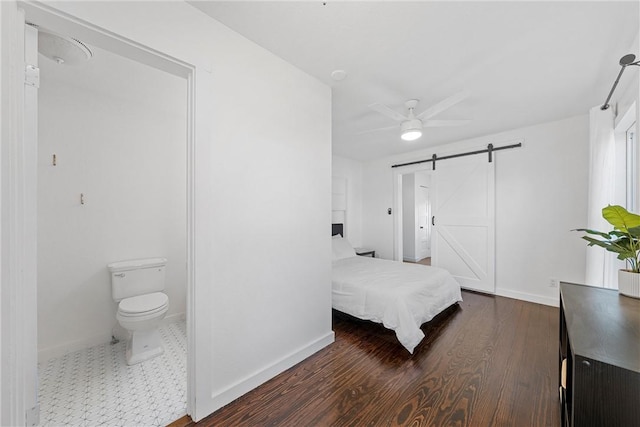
18, 271
398, 240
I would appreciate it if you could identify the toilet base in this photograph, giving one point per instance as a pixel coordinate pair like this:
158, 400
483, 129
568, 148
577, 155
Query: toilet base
143, 345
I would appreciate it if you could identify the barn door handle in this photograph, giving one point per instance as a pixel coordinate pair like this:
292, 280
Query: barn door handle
433, 220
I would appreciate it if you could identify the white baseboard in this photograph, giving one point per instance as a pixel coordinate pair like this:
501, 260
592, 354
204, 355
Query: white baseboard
177, 317
46, 354
231, 393
538, 299
410, 259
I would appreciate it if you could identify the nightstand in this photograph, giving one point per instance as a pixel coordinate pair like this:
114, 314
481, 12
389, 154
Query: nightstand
365, 252
599, 337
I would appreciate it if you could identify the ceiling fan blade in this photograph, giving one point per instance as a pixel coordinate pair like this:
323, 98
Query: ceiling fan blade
378, 129
442, 105
439, 123
383, 109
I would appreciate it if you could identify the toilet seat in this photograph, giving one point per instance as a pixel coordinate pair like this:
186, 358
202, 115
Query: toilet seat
143, 305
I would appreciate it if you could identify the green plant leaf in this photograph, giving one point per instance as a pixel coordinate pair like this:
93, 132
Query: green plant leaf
623, 252
595, 232
617, 233
596, 242
620, 218
625, 255
623, 240
634, 231
624, 243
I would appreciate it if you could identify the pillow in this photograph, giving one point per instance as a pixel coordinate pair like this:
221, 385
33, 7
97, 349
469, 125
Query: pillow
341, 248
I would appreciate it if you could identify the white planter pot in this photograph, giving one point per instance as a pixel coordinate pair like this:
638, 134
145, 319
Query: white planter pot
629, 283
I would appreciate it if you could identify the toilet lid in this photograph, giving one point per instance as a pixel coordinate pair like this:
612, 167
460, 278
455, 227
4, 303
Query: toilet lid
143, 303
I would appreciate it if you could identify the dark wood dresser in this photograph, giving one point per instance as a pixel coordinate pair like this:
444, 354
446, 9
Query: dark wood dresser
600, 340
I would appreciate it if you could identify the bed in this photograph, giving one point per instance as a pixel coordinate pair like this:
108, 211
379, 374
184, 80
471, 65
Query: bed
398, 295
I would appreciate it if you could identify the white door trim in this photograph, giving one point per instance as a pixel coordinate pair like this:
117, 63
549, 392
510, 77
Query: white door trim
29, 167
398, 251
14, 387
18, 235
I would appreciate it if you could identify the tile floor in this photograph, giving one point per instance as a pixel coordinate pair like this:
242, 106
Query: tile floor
95, 386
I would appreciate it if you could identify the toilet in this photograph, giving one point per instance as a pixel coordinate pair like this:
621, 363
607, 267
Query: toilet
136, 285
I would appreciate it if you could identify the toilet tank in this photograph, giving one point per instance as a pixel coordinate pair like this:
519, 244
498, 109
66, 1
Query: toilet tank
137, 277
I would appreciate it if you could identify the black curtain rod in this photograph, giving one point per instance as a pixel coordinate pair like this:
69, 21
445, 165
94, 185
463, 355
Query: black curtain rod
490, 149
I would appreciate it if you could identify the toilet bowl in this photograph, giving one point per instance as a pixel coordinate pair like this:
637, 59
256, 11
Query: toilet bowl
141, 316
143, 311
136, 286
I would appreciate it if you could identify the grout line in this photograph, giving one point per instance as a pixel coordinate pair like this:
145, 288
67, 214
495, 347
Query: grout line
96, 386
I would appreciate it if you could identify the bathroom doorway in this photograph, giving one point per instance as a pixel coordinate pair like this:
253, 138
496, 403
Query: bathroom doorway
416, 217
92, 152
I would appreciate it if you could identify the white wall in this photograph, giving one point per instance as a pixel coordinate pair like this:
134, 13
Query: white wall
118, 130
626, 94
351, 170
7, 87
541, 195
262, 188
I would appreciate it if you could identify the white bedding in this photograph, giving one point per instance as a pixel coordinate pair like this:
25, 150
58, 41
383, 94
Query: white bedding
400, 296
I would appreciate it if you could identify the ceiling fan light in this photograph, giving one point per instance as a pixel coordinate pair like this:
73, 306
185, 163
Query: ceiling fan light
411, 135
411, 130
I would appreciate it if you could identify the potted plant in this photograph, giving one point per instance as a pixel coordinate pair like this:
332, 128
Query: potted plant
624, 240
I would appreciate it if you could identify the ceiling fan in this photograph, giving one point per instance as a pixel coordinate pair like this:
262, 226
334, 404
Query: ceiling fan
411, 124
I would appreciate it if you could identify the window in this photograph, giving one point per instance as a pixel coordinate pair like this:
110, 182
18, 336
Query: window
625, 183
631, 169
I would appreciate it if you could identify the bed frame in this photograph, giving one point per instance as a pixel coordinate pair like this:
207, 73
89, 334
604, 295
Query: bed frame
410, 332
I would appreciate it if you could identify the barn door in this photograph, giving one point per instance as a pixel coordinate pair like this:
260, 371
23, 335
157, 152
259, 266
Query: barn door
463, 232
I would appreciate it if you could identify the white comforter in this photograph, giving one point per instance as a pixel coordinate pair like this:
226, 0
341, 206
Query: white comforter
400, 296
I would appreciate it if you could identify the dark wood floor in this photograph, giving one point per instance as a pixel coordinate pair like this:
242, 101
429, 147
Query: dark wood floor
423, 261
491, 361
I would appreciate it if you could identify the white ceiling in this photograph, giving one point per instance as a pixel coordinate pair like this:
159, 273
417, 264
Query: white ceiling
522, 63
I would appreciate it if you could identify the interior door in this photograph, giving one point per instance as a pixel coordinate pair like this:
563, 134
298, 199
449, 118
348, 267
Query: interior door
463, 237
423, 217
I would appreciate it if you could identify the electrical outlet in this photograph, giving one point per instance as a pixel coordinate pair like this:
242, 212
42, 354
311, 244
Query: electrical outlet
553, 282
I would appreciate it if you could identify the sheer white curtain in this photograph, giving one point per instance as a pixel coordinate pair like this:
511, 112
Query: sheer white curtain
601, 192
